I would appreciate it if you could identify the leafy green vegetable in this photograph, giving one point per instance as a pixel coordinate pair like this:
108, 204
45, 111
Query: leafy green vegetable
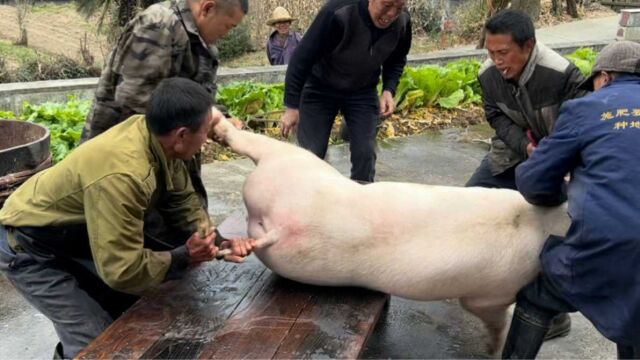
64, 120
448, 86
452, 100
584, 59
9, 115
246, 99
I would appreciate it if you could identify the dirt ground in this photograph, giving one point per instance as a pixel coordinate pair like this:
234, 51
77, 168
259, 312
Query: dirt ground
57, 29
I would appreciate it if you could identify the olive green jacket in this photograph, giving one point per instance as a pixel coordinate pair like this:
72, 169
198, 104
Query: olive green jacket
161, 42
109, 183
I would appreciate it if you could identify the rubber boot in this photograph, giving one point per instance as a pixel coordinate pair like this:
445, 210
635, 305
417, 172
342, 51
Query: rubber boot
628, 352
527, 332
58, 354
560, 326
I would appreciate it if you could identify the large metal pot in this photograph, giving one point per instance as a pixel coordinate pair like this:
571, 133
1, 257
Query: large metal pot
24, 150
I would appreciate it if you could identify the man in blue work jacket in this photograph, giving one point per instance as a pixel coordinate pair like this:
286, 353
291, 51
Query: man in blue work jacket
595, 269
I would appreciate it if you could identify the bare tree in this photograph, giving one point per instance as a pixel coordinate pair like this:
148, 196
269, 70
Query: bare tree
572, 8
22, 10
531, 7
493, 6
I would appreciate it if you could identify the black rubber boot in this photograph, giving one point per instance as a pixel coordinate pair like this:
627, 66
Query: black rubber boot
628, 352
560, 326
58, 354
526, 334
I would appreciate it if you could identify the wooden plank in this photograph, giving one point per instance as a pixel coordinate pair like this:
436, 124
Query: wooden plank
337, 325
187, 311
223, 310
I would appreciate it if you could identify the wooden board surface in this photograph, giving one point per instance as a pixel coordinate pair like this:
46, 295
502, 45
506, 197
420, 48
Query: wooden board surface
223, 310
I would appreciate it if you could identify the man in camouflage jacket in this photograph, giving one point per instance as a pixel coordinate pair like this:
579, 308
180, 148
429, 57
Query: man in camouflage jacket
169, 39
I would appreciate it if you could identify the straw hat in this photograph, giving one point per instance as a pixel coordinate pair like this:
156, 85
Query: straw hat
280, 14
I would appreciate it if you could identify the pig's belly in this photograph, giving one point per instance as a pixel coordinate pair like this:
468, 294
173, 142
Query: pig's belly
400, 241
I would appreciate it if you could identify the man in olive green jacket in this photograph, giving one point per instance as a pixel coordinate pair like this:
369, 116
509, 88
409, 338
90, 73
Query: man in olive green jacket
73, 233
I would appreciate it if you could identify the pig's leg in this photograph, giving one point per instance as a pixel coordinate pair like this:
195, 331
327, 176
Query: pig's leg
246, 143
495, 315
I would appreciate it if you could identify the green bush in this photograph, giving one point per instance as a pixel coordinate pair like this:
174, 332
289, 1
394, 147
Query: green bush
56, 67
5, 76
236, 43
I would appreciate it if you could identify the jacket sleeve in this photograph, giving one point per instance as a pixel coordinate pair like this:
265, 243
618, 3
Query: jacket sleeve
114, 211
574, 79
509, 132
393, 67
182, 206
540, 179
144, 58
323, 35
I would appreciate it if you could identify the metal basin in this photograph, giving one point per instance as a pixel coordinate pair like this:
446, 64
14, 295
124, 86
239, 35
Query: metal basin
24, 150
23, 146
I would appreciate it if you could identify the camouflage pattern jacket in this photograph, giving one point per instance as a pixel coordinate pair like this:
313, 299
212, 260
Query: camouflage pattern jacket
161, 42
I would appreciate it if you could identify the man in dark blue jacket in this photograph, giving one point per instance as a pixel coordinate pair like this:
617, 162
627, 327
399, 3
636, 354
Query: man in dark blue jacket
596, 268
337, 67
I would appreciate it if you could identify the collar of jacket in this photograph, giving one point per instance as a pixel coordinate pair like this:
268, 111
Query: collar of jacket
158, 153
183, 11
531, 65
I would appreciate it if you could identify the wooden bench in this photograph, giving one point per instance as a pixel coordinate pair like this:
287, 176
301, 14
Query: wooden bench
223, 310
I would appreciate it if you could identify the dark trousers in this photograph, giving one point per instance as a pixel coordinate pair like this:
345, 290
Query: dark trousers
483, 177
319, 107
536, 305
63, 287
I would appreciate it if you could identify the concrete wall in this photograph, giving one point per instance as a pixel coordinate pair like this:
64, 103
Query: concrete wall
13, 95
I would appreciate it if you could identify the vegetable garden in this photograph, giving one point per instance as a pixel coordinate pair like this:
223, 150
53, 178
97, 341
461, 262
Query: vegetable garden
427, 97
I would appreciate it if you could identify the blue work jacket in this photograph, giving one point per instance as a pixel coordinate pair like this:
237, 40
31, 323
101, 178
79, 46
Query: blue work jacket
597, 266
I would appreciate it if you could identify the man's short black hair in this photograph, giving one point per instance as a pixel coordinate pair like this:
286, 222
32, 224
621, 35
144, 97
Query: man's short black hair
514, 22
229, 4
178, 102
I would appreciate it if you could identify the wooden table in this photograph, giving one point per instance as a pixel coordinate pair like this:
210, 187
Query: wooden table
224, 310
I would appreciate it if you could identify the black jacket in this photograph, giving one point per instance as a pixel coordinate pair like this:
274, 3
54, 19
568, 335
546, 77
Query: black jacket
533, 103
343, 50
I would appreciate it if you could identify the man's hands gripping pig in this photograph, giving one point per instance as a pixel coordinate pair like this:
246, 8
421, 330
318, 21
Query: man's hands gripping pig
202, 248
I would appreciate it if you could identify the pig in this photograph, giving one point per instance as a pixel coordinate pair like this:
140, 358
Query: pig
414, 241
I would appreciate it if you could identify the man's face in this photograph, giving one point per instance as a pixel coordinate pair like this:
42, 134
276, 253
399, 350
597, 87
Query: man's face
509, 57
385, 12
283, 27
188, 142
214, 22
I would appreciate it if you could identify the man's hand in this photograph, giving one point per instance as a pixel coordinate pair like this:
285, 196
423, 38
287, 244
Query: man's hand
201, 248
218, 132
240, 249
289, 121
530, 149
387, 105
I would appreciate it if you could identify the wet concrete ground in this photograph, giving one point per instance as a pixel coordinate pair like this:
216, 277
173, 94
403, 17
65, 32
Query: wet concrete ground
409, 329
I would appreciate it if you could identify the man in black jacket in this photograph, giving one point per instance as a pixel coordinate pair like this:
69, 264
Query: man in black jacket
337, 67
524, 83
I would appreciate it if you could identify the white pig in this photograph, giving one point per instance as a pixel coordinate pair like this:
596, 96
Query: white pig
415, 241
